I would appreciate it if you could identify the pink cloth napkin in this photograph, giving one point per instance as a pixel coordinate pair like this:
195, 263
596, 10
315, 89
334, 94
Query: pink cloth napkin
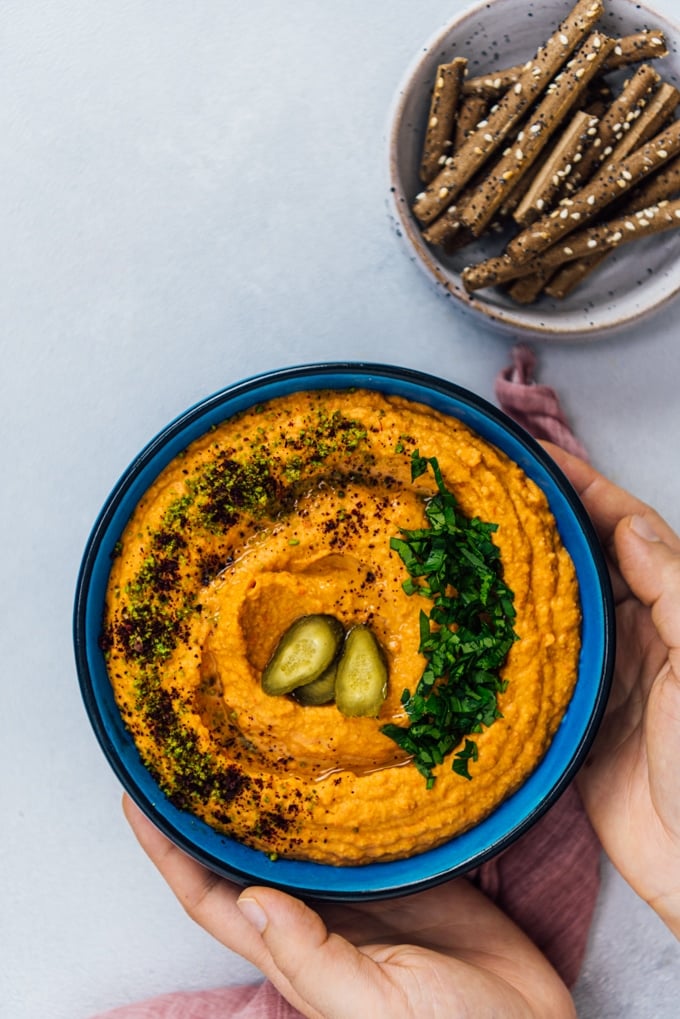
547, 881
535, 407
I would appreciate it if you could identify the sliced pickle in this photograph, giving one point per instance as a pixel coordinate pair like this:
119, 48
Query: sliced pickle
319, 691
361, 681
305, 650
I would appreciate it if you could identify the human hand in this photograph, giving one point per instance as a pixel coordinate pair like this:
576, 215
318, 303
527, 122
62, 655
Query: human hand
630, 784
447, 952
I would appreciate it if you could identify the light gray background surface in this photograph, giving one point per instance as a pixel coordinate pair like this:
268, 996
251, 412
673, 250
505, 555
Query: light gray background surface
191, 193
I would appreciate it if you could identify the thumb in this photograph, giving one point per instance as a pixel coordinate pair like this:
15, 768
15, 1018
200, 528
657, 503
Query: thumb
651, 567
330, 975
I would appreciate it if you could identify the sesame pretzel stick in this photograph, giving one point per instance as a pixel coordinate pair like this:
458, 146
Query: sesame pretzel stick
447, 231
444, 229
611, 182
471, 110
568, 277
549, 180
590, 241
629, 49
489, 135
661, 187
443, 106
494, 83
527, 289
655, 116
563, 93
621, 113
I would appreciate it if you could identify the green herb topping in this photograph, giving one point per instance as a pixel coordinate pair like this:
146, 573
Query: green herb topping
466, 636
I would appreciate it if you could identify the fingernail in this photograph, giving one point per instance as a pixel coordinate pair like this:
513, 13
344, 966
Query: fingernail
643, 528
253, 912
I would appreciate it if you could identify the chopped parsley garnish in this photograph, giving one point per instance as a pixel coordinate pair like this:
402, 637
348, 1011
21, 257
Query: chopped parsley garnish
466, 636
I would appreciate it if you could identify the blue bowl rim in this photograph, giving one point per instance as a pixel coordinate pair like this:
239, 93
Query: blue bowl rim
317, 881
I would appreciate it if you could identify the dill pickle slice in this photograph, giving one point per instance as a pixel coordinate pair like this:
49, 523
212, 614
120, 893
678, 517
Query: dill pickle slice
305, 650
319, 691
361, 681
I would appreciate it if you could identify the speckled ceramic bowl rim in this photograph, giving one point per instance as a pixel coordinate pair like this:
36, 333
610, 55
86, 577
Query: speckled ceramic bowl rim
513, 320
378, 880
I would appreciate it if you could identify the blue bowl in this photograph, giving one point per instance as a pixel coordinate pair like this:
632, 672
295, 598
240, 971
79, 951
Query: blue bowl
515, 815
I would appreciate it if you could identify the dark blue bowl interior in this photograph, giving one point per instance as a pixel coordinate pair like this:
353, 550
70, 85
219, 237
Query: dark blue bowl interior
507, 822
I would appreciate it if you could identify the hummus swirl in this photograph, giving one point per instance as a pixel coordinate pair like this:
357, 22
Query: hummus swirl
287, 510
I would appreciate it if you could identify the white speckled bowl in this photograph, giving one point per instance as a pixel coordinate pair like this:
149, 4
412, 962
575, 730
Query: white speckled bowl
631, 283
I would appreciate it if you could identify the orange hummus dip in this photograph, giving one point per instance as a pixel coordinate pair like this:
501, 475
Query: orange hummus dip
287, 510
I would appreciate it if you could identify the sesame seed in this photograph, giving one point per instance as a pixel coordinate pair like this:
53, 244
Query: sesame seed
629, 225
433, 121
661, 153
518, 88
592, 243
568, 251
443, 192
564, 39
